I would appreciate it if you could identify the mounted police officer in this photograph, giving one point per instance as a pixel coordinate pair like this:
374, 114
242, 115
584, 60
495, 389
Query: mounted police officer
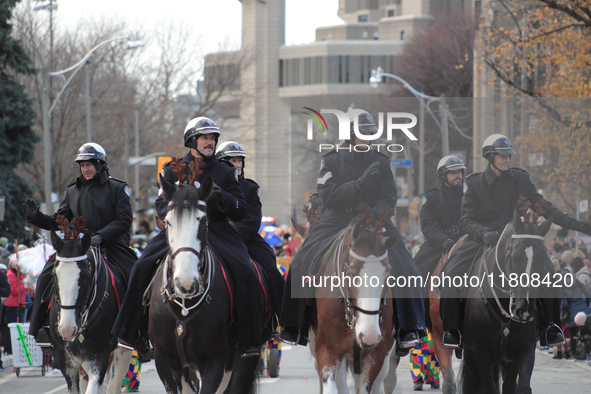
440, 215
104, 203
346, 179
227, 202
248, 228
487, 207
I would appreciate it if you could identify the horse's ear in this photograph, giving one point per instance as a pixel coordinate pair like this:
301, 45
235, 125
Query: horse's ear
517, 223
390, 241
358, 229
56, 241
206, 188
168, 188
545, 227
303, 231
86, 240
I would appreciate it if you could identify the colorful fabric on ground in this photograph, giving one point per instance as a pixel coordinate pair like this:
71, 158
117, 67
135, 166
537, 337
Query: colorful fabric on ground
131, 381
423, 364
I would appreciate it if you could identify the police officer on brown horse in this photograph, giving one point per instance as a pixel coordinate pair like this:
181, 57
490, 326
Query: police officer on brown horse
227, 203
440, 215
104, 203
346, 179
487, 207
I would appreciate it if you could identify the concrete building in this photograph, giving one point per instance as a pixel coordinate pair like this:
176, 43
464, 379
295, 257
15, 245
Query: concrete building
276, 81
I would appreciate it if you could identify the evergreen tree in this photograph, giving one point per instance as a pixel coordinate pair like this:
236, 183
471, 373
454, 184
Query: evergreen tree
17, 138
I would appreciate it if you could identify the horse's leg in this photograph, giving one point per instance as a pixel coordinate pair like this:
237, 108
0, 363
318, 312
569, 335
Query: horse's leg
479, 374
328, 368
376, 385
443, 354
169, 371
71, 371
243, 375
391, 378
509, 378
121, 360
525, 369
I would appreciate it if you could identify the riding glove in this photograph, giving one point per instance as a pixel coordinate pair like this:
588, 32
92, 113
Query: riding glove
96, 240
31, 208
369, 173
490, 238
219, 195
581, 226
447, 245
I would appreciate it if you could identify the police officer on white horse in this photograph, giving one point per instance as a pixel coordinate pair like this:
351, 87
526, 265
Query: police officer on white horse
103, 201
227, 202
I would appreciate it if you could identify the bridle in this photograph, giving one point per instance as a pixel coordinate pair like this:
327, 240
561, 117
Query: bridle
496, 287
91, 296
168, 290
348, 301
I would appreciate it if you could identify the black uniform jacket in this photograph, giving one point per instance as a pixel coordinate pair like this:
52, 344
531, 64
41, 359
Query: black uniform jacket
489, 201
248, 228
336, 188
440, 215
223, 175
103, 202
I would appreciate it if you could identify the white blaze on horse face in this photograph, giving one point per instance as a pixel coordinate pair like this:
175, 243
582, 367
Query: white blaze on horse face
182, 232
67, 275
369, 298
529, 254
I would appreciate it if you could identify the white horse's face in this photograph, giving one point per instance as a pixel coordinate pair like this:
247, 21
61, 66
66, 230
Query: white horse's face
185, 228
72, 280
374, 273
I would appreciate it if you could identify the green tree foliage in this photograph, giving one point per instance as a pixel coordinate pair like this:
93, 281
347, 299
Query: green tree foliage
17, 138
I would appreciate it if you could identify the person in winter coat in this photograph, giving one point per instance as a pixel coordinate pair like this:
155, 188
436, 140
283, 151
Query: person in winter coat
103, 201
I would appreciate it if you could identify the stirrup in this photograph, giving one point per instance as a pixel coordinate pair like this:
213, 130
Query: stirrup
452, 345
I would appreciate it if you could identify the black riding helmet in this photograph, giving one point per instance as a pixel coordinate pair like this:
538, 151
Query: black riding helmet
448, 164
197, 127
91, 151
228, 150
496, 144
365, 122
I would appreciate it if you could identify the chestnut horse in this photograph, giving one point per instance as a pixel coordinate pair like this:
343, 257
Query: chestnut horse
353, 324
443, 354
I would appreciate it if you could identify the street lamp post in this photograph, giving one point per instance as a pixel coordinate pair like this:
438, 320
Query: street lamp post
132, 43
47, 107
376, 78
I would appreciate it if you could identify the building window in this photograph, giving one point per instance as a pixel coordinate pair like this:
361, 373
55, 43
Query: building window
362, 18
391, 13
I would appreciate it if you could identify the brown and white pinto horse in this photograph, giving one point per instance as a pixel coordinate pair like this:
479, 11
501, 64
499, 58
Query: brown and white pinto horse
353, 324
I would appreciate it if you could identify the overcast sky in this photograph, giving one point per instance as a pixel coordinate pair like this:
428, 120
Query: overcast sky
214, 20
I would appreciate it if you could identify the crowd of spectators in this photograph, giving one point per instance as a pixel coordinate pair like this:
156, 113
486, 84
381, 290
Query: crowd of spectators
573, 263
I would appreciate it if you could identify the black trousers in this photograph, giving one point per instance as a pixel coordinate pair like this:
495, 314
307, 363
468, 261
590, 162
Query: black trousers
262, 253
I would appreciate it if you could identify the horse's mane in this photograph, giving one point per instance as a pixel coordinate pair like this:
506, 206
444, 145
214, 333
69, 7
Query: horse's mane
186, 198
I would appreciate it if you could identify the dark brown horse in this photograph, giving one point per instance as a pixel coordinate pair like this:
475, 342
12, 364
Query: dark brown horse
353, 324
499, 325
